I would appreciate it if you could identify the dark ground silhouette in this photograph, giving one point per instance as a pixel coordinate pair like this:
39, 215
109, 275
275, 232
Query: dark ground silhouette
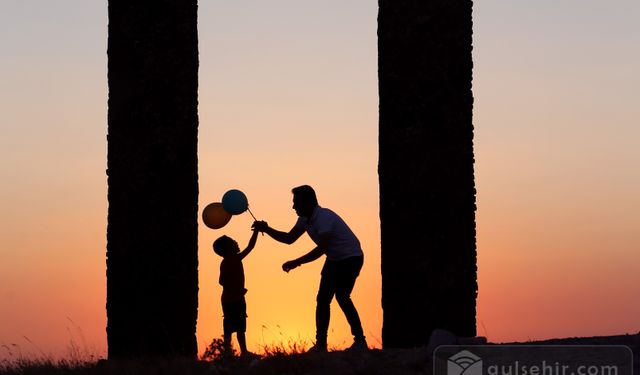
381, 362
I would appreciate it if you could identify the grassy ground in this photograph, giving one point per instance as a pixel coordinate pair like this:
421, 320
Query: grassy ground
414, 361
280, 360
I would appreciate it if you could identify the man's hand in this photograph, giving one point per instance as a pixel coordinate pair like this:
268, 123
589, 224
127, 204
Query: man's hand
288, 266
260, 225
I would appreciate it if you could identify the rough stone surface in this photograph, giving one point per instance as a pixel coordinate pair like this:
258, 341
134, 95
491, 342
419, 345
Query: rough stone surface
152, 234
427, 191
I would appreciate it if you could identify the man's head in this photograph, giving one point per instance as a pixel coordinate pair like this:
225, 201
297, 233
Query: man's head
304, 200
225, 246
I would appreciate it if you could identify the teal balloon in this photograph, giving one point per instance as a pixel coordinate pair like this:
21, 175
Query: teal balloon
235, 202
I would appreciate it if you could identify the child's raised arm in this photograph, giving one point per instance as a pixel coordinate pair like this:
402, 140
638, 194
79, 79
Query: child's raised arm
251, 245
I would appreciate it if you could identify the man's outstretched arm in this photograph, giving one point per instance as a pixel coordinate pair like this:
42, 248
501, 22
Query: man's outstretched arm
284, 237
308, 257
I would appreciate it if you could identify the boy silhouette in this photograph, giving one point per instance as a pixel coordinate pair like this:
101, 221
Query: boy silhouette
234, 305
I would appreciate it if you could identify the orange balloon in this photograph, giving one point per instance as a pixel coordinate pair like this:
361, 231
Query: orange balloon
214, 216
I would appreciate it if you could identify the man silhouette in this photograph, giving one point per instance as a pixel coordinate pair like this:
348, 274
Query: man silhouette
344, 259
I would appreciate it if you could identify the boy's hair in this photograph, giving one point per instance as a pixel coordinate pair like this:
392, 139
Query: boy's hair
305, 192
221, 245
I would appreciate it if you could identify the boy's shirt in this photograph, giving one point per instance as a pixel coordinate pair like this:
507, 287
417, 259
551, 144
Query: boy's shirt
232, 279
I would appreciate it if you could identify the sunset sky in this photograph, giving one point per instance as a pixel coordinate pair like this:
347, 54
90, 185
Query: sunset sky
288, 96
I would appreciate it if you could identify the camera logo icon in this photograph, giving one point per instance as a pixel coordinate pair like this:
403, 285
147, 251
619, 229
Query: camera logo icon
464, 363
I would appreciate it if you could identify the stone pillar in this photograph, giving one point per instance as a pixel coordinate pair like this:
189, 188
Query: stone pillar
152, 234
427, 192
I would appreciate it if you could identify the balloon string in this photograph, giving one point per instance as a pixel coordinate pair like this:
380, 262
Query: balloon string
254, 218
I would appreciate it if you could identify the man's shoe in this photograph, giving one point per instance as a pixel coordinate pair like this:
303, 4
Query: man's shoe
358, 346
318, 348
250, 355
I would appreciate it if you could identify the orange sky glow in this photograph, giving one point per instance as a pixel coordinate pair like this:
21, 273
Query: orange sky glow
288, 100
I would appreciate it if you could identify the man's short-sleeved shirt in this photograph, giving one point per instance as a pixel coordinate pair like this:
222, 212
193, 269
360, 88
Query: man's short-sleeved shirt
340, 240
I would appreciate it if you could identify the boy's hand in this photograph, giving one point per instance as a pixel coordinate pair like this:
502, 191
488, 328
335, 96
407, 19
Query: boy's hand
288, 266
260, 225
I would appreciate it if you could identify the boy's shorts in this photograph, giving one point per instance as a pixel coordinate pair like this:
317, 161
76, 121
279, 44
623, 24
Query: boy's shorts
235, 316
